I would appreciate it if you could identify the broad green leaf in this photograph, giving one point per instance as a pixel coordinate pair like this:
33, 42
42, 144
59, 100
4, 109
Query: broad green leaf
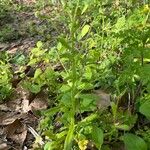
49, 73
64, 43
97, 137
86, 102
84, 31
145, 109
39, 44
134, 142
66, 99
37, 73
35, 88
88, 73
32, 61
20, 59
120, 24
65, 88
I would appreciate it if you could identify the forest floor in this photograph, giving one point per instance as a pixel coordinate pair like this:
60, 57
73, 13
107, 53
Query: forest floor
48, 105
18, 120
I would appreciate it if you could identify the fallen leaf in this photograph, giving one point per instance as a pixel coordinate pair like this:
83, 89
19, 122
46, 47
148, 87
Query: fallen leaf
17, 132
19, 138
3, 146
14, 127
8, 118
104, 99
25, 105
3, 46
40, 102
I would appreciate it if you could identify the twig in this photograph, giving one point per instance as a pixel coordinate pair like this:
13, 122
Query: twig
35, 134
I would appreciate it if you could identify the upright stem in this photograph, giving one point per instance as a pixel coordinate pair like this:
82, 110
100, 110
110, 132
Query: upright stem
69, 138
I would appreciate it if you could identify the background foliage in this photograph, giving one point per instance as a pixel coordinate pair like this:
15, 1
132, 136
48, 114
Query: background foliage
97, 45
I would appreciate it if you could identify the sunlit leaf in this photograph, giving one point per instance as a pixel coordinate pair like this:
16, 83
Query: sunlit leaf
37, 73
84, 31
39, 44
120, 24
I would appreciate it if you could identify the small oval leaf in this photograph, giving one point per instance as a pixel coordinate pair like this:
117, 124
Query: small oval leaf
84, 31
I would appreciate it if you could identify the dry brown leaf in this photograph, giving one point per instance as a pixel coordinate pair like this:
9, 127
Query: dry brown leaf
40, 102
15, 127
5, 108
17, 132
3, 146
3, 46
13, 50
25, 106
14, 104
19, 138
104, 99
9, 118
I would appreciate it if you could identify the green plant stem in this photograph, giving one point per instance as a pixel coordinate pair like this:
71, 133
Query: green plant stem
69, 138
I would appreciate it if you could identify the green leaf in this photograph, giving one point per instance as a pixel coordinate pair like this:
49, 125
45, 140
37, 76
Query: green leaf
84, 31
65, 88
51, 111
35, 88
145, 109
39, 44
88, 119
87, 99
37, 73
48, 146
97, 137
84, 8
69, 138
86, 102
64, 43
59, 46
32, 61
120, 24
88, 73
85, 86
123, 127
61, 134
66, 99
134, 142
